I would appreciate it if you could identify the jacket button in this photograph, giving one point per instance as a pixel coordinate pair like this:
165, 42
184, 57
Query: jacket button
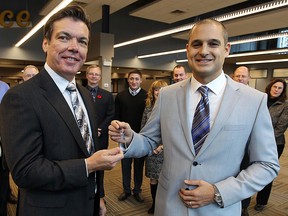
195, 163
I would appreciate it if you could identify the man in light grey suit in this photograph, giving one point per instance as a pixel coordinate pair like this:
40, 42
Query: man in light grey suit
210, 182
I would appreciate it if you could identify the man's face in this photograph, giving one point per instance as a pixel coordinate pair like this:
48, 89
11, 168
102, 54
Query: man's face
206, 51
179, 74
29, 73
93, 76
241, 75
134, 81
67, 49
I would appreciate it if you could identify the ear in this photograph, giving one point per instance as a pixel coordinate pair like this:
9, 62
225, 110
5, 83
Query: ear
45, 45
227, 49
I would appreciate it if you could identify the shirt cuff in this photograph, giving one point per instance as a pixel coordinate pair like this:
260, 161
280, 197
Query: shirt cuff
87, 172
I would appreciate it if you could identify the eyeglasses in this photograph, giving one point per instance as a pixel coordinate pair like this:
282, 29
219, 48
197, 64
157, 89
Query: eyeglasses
94, 74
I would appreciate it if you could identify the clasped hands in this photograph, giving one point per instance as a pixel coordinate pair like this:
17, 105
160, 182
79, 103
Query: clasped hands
120, 132
108, 158
202, 193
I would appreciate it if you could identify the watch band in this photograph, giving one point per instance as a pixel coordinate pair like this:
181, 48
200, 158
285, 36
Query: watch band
217, 197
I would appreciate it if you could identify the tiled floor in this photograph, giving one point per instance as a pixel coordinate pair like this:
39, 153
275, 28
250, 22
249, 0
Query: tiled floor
277, 206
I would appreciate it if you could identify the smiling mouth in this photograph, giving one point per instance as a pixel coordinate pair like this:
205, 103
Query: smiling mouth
203, 60
71, 59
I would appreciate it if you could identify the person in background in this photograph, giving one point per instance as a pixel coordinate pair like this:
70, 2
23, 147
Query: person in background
179, 73
278, 109
105, 112
153, 163
129, 107
4, 87
242, 75
201, 172
54, 163
29, 71
5, 190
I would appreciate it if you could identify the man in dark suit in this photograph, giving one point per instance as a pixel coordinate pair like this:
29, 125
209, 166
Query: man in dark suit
105, 112
44, 148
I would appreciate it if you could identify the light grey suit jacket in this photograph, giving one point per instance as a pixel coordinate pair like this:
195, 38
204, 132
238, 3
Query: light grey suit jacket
243, 118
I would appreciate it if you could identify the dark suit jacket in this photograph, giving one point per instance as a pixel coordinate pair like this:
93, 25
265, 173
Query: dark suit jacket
105, 111
45, 150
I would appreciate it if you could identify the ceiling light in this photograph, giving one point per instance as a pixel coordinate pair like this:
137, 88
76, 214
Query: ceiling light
63, 4
160, 34
237, 14
248, 40
162, 53
277, 51
262, 62
182, 60
260, 38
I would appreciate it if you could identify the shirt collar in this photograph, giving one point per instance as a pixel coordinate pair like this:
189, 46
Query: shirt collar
90, 88
135, 92
59, 81
215, 85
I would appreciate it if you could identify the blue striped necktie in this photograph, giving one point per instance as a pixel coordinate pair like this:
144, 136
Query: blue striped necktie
201, 121
80, 117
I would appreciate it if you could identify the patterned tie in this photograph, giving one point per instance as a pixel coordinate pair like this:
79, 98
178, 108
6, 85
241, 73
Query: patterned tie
80, 117
201, 122
93, 93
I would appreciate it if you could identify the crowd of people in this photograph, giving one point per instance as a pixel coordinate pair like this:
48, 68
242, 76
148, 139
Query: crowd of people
203, 148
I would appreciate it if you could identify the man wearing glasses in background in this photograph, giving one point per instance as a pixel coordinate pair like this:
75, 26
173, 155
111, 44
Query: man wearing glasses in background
105, 112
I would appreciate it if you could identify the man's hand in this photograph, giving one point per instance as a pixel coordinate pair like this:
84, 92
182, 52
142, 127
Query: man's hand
103, 209
158, 150
201, 195
104, 159
120, 132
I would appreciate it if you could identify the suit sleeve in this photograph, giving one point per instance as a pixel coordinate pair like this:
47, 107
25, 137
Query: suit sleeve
27, 154
109, 116
264, 165
117, 107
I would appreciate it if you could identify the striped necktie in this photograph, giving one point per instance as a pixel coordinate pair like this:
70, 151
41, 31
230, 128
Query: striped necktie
201, 121
80, 117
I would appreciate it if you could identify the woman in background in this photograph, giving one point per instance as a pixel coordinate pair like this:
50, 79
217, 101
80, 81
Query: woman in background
154, 162
278, 108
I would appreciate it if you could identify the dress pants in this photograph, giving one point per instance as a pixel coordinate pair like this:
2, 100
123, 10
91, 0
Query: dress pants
244, 165
101, 190
138, 174
4, 187
263, 195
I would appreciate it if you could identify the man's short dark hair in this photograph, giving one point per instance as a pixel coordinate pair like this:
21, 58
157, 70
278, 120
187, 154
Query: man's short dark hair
74, 11
178, 66
135, 72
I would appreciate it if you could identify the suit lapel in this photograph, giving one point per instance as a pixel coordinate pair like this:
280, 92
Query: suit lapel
183, 103
229, 100
56, 99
